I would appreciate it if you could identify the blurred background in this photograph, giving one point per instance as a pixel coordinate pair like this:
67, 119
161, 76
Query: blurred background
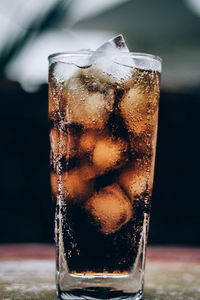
29, 32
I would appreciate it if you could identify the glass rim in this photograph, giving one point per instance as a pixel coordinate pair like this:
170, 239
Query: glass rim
55, 56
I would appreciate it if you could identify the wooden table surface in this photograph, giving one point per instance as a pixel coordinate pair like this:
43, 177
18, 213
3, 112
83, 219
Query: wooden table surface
27, 271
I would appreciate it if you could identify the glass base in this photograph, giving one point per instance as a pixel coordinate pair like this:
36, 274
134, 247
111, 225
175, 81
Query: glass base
98, 293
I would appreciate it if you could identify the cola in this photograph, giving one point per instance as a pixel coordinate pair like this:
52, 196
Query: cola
103, 138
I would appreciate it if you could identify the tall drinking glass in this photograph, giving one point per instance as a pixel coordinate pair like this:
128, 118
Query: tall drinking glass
103, 129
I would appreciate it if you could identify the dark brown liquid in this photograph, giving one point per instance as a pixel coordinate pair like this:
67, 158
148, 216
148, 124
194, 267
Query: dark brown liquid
102, 158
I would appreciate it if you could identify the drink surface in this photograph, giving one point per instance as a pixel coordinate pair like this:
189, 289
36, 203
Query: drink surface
103, 137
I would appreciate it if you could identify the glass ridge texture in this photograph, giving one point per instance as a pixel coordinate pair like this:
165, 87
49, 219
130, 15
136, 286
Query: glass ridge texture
103, 129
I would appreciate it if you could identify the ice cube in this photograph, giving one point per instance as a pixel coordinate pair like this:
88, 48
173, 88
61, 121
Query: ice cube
77, 185
134, 179
63, 71
138, 109
112, 61
109, 153
91, 110
110, 209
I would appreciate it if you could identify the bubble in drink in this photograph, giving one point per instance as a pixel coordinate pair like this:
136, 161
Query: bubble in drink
59, 142
110, 209
51, 99
63, 143
57, 104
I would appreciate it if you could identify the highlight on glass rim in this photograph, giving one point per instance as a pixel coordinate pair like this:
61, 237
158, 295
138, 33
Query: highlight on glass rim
103, 112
